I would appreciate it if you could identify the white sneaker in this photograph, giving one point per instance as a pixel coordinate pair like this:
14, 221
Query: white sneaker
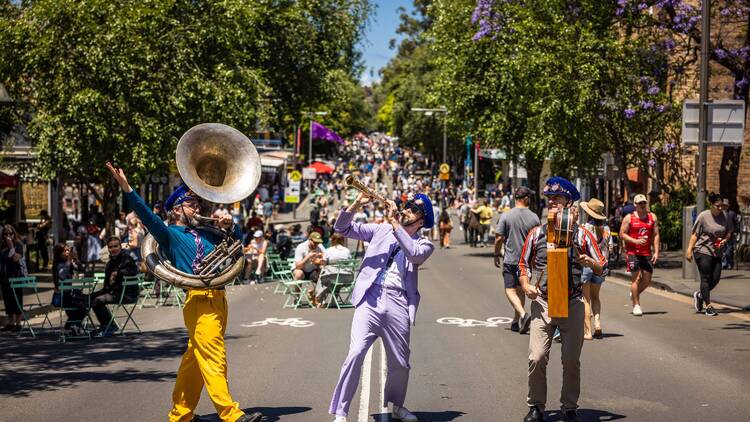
340, 419
637, 310
403, 414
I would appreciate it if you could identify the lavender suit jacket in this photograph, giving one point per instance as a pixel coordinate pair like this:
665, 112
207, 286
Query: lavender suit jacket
381, 238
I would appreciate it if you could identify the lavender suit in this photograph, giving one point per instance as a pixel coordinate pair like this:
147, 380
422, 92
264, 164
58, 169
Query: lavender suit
381, 311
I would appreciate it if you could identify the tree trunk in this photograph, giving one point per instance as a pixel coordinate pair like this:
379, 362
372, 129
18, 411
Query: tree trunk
728, 173
534, 173
111, 189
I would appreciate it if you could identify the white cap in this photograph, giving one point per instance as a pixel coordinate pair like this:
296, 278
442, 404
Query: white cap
640, 198
258, 233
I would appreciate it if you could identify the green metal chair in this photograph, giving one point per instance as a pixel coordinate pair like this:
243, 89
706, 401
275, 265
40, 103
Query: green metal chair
174, 295
124, 307
343, 285
148, 297
29, 283
72, 285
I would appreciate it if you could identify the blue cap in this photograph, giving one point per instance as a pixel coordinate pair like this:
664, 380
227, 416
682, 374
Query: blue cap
426, 205
557, 185
180, 195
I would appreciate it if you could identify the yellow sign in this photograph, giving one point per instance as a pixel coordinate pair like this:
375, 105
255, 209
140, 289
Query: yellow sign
295, 176
34, 199
445, 168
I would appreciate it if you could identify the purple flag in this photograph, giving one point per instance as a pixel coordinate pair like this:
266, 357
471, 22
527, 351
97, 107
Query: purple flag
321, 132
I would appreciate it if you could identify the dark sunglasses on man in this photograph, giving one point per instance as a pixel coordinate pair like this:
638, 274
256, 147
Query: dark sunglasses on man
413, 207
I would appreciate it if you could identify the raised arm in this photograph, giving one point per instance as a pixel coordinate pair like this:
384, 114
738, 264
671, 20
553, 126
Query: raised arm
153, 223
347, 228
416, 250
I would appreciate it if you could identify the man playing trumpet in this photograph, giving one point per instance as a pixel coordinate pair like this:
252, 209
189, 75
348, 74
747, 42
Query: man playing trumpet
205, 311
582, 252
385, 296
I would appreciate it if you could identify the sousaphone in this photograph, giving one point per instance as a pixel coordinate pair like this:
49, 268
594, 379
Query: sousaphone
220, 165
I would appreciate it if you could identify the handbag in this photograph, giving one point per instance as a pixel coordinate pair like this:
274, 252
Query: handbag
56, 299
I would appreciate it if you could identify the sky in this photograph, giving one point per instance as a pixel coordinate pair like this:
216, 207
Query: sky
381, 29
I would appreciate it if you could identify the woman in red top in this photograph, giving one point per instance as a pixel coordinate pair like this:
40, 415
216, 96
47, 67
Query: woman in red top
640, 230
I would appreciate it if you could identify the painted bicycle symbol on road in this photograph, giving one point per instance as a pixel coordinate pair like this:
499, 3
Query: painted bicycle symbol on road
491, 322
287, 322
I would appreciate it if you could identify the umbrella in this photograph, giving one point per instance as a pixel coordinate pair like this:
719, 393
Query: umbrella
321, 168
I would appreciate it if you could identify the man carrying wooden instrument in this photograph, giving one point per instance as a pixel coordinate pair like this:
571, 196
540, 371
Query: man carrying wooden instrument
386, 297
555, 254
205, 311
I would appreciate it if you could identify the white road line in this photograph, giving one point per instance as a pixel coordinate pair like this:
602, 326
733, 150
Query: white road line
383, 365
364, 394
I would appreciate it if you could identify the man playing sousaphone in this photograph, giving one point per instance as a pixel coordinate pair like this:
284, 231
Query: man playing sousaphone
564, 263
205, 311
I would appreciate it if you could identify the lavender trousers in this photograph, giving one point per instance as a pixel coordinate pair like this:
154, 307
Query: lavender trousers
383, 313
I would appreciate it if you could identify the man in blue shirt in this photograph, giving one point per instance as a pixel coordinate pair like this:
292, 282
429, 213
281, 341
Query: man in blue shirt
205, 311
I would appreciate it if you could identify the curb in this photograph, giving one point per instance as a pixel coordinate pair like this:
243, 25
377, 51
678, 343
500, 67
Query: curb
666, 286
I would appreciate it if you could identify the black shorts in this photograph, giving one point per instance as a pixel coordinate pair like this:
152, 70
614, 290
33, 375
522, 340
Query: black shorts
510, 276
640, 263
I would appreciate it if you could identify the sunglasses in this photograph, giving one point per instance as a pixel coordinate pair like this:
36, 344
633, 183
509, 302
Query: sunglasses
413, 207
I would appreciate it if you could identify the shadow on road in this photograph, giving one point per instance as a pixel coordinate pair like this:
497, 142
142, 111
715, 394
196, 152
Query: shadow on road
444, 416
744, 326
587, 415
31, 365
608, 335
489, 254
270, 414
655, 313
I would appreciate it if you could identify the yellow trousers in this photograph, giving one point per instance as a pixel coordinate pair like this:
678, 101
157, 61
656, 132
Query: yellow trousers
205, 360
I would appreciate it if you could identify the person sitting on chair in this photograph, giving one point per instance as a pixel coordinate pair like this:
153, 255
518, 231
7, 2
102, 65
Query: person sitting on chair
255, 257
119, 265
308, 258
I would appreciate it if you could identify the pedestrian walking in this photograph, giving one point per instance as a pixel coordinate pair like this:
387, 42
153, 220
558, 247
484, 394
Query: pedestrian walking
640, 233
560, 193
205, 311
11, 265
485, 219
511, 231
446, 226
592, 283
711, 233
386, 298
464, 212
42, 236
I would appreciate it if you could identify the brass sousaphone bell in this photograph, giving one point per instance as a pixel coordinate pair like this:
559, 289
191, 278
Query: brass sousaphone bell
220, 165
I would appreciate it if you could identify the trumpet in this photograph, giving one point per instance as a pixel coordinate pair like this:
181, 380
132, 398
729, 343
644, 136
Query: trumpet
352, 182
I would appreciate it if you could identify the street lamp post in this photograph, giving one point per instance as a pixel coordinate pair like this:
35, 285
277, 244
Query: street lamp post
429, 112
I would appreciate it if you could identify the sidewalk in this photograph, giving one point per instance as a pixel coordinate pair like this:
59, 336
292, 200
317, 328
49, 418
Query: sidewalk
733, 289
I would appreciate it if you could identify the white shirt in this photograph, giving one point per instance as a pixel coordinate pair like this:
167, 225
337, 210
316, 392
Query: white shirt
337, 253
301, 251
392, 276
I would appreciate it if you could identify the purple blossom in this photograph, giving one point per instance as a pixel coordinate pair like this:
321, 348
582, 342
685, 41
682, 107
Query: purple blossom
653, 90
629, 113
720, 54
669, 44
660, 108
742, 83
642, 6
646, 105
668, 148
725, 12
651, 162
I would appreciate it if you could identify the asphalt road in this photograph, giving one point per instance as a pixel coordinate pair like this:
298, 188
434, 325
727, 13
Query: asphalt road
669, 365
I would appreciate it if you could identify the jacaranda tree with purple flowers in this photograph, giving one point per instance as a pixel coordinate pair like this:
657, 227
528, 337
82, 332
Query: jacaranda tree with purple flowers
675, 25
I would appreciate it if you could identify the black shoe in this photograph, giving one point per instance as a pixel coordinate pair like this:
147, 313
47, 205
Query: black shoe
697, 302
598, 334
524, 323
253, 417
710, 311
535, 415
7, 327
570, 416
514, 326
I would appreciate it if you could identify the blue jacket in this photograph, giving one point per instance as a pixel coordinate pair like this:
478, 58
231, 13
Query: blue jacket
175, 242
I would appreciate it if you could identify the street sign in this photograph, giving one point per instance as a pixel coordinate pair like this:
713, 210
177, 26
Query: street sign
445, 168
292, 192
726, 122
309, 173
295, 176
